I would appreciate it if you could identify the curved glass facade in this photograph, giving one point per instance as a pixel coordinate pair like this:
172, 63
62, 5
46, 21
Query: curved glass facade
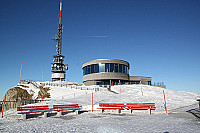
105, 67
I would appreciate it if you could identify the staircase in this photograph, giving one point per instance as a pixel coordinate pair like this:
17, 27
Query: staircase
35, 84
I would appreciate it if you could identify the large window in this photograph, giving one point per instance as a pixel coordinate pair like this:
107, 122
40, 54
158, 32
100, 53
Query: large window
120, 68
116, 68
127, 72
96, 68
105, 67
111, 67
84, 70
124, 70
102, 66
88, 69
92, 68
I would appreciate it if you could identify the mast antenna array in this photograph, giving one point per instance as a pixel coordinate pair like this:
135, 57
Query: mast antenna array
58, 68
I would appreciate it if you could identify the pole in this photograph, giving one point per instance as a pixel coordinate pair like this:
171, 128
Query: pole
3, 106
120, 89
21, 72
92, 101
42, 76
141, 91
165, 101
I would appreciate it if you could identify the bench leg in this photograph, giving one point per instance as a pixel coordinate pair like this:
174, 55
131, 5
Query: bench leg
59, 113
23, 116
118, 111
130, 111
76, 112
45, 114
102, 110
149, 111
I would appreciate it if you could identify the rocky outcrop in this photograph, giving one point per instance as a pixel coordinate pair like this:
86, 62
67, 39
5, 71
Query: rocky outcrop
15, 96
43, 93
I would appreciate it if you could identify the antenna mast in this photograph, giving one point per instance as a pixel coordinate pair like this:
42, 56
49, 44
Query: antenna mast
59, 31
58, 68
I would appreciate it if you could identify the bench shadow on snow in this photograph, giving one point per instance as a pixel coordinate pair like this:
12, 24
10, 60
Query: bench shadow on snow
195, 112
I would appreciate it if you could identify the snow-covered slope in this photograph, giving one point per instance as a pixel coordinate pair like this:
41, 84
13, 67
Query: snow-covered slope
119, 93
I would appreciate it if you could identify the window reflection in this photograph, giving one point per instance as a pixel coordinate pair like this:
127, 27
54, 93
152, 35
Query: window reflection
102, 66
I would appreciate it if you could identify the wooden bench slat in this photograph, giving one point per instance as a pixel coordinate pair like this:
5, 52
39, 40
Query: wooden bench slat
141, 108
26, 109
32, 112
140, 105
33, 106
110, 108
66, 107
111, 104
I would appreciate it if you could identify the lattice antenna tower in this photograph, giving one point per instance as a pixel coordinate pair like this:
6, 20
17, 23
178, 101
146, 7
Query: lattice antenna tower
58, 68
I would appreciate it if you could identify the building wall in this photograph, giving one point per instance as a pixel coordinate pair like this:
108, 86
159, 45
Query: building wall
143, 80
106, 76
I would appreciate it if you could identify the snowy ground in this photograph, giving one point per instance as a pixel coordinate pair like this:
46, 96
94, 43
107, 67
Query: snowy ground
102, 123
96, 122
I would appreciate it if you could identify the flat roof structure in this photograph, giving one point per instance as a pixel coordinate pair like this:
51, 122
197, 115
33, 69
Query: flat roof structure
110, 72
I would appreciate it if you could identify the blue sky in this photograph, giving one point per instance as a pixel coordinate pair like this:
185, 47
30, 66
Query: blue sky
159, 38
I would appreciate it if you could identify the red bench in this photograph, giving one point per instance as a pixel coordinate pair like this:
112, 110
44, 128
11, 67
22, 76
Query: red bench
67, 107
32, 110
128, 106
140, 106
111, 106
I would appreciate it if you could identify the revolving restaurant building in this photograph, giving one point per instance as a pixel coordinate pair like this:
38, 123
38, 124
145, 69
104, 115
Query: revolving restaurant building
110, 72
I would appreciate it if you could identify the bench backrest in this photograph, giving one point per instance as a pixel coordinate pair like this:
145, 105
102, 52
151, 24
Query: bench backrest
26, 108
140, 104
111, 105
32, 109
68, 106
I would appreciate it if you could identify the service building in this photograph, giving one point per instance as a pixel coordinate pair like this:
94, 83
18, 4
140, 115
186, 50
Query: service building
110, 72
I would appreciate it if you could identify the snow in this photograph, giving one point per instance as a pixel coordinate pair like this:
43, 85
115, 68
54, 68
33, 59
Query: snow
101, 123
63, 93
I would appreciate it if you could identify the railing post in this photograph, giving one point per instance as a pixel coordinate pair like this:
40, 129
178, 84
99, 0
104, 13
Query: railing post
3, 106
92, 101
141, 91
165, 101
